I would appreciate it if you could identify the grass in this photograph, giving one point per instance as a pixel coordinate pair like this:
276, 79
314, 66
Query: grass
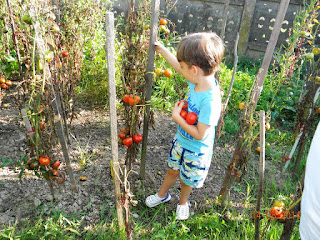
211, 222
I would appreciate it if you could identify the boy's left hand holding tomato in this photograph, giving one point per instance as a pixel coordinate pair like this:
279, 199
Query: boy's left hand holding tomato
176, 111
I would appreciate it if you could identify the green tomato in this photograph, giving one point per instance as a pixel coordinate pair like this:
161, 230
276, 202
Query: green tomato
310, 56
27, 19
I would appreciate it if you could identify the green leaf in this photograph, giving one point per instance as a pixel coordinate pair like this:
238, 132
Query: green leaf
290, 108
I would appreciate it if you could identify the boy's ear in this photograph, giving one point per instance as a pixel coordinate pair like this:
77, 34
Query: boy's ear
195, 69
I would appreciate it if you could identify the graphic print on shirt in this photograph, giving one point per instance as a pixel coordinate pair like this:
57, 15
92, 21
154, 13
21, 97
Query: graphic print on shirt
191, 108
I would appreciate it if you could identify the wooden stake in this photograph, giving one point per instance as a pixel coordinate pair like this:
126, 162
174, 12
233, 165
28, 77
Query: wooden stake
110, 50
149, 79
269, 52
261, 174
28, 124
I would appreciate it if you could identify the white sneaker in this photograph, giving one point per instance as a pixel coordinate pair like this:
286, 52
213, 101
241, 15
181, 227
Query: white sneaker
182, 212
154, 200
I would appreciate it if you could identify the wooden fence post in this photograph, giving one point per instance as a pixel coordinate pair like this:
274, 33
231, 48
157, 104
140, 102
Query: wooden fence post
225, 18
149, 79
245, 25
261, 174
110, 51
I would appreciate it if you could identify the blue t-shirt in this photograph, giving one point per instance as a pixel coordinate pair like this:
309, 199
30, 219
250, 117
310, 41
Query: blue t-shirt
207, 105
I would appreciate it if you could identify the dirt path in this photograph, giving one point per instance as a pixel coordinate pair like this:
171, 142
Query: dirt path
23, 199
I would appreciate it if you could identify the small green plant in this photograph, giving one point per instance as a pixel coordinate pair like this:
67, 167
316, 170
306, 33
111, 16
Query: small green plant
85, 156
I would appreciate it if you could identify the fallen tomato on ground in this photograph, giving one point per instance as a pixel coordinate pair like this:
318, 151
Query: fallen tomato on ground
56, 164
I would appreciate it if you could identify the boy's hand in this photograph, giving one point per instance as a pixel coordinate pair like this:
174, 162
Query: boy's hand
159, 46
176, 111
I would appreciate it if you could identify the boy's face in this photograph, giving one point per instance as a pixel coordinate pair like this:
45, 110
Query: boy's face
189, 73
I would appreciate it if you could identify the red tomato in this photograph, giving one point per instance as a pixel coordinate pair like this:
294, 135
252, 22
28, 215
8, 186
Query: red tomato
4, 86
191, 118
131, 101
127, 141
126, 98
167, 73
163, 21
137, 137
9, 83
276, 212
56, 164
65, 54
44, 160
185, 104
183, 114
137, 99
122, 135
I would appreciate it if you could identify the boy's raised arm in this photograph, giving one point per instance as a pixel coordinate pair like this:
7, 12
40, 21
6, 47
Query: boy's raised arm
170, 58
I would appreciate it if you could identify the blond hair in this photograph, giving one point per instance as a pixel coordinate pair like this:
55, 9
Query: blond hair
204, 50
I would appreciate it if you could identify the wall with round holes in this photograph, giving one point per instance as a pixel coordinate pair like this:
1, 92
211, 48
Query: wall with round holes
207, 15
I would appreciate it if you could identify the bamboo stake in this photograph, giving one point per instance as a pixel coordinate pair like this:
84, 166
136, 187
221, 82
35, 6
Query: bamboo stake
110, 50
149, 79
261, 175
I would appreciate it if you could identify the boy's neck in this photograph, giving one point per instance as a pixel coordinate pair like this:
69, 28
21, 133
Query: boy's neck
205, 83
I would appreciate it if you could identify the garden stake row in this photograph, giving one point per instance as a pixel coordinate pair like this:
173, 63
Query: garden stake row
149, 78
110, 52
243, 146
261, 172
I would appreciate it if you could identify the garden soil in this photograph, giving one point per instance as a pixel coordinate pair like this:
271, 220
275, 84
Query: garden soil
24, 199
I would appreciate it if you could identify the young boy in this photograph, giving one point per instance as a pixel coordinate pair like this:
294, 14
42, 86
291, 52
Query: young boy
198, 58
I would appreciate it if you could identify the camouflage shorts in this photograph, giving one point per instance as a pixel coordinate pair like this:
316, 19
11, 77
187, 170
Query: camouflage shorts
193, 166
